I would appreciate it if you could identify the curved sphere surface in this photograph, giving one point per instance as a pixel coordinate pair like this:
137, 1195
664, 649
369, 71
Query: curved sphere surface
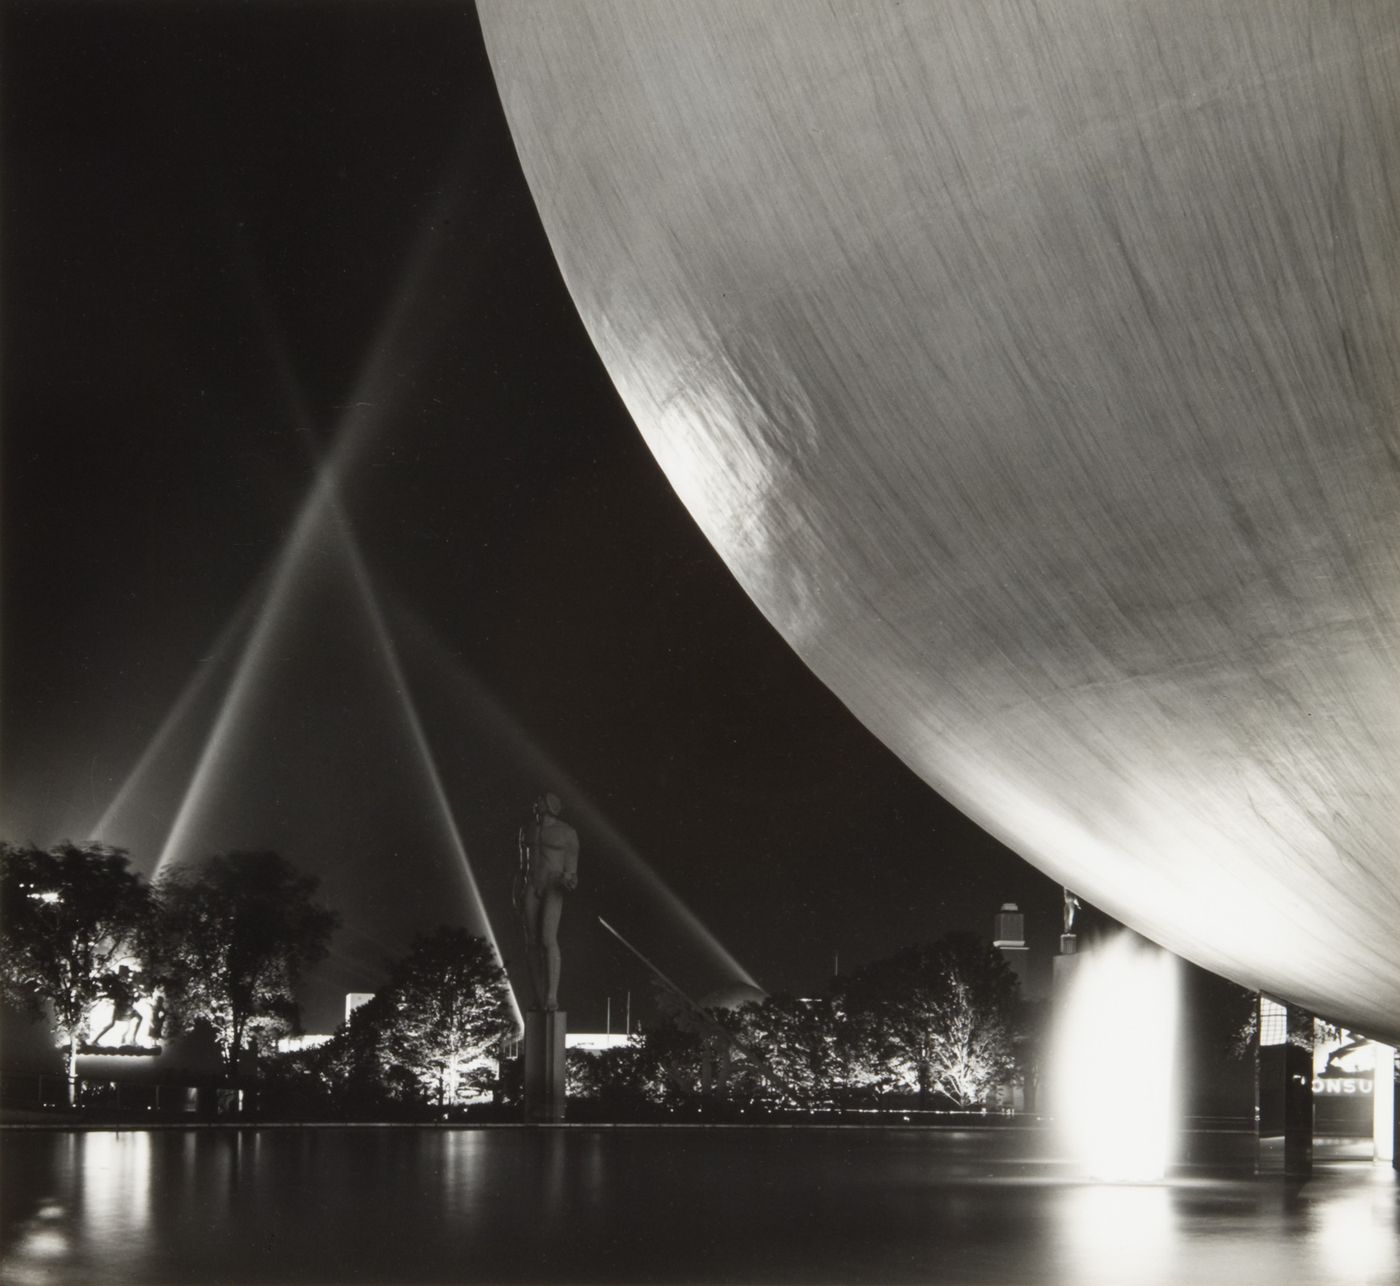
1035, 368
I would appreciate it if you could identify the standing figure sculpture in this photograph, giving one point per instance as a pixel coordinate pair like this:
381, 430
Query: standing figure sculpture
548, 868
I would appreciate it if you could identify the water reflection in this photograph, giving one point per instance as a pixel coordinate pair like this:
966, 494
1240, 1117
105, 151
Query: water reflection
350, 1206
99, 1209
463, 1175
1356, 1237
114, 1178
1105, 1226
42, 1246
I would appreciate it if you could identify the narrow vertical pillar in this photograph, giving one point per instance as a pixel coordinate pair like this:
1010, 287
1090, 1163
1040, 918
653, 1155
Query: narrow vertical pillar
1298, 1097
1283, 1090
544, 1065
1051, 1090
1383, 1103
1395, 1122
1063, 967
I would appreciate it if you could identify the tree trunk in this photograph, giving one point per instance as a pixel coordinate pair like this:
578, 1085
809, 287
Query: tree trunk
70, 1069
235, 1047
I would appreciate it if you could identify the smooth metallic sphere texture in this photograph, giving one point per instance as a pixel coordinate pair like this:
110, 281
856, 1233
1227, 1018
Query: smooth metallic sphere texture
1036, 369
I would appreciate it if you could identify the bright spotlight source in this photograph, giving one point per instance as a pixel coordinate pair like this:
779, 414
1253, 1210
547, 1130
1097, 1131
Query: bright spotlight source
1114, 1048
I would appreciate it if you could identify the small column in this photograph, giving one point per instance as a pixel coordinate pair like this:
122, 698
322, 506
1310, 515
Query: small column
1051, 1091
1383, 1103
1063, 967
544, 1065
1395, 1123
1298, 1098
1283, 1090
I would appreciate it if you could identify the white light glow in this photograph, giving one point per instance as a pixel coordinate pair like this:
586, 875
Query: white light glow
116, 1184
1354, 1238
372, 393
1114, 1048
193, 692
596, 1040
296, 1044
1383, 1102
290, 565
1109, 1226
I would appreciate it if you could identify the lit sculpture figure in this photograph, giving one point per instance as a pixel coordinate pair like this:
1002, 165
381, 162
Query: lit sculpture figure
1072, 905
548, 867
123, 990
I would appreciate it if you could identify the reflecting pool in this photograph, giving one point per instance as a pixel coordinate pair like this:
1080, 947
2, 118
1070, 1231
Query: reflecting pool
342, 1205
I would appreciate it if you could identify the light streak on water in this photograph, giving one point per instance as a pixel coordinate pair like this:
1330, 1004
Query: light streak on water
1355, 1238
962, 1208
1114, 1048
1104, 1227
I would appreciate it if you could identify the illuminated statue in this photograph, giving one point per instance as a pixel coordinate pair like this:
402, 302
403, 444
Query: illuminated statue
548, 867
155, 1011
122, 989
1072, 904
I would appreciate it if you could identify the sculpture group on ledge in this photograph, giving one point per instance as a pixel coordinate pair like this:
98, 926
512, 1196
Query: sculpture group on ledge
136, 1007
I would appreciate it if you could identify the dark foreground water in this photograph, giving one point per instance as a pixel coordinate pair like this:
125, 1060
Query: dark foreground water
401, 1205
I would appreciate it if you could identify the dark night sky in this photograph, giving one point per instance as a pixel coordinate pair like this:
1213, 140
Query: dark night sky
208, 209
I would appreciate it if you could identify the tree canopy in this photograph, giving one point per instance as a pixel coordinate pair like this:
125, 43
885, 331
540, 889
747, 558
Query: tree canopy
940, 1017
430, 1031
69, 917
225, 941
235, 934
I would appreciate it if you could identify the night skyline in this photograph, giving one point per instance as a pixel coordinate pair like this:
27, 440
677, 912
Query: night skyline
243, 240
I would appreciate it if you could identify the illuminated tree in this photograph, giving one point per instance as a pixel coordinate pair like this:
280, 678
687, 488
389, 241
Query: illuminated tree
788, 1052
69, 917
621, 1080
777, 1053
430, 1034
939, 1017
235, 934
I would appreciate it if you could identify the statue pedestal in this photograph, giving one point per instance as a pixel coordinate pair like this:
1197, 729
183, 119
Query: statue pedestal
544, 1065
